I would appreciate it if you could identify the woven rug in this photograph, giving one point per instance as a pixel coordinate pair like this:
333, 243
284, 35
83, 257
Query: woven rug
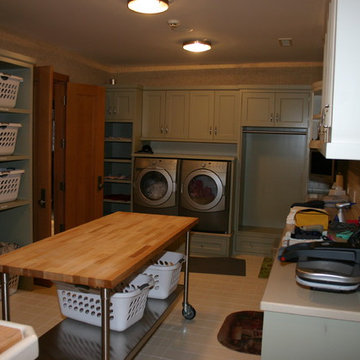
265, 268
217, 265
242, 331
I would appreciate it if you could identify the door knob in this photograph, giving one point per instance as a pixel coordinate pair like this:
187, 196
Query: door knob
100, 183
42, 201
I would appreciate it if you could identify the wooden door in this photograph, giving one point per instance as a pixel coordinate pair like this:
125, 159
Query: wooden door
43, 95
84, 153
58, 164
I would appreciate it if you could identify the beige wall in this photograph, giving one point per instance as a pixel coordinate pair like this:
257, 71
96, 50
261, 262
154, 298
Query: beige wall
231, 76
84, 71
80, 70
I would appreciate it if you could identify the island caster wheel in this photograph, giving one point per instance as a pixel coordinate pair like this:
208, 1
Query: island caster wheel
188, 312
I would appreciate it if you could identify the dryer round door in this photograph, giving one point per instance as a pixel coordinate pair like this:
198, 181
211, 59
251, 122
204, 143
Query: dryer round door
154, 186
203, 190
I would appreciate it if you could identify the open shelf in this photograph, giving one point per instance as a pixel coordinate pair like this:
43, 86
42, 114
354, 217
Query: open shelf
73, 339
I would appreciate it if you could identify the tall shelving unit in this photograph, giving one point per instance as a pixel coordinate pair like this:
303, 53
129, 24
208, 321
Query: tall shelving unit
122, 139
16, 217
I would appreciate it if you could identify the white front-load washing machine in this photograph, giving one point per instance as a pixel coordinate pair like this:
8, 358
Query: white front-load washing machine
155, 185
205, 193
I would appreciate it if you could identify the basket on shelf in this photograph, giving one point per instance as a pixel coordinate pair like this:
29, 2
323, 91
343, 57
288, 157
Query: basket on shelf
127, 304
9, 86
13, 279
8, 135
9, 184
166, 273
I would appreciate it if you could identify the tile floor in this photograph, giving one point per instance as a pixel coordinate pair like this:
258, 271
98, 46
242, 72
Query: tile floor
213, 296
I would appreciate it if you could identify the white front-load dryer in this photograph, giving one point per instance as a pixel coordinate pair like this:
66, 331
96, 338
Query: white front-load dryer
155, 185
205, 189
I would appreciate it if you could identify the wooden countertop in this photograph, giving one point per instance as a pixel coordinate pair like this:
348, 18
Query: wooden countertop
100, 253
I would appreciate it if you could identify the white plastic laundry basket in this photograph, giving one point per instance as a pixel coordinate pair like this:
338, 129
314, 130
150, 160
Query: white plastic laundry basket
9, 184
8, 136
166, 273
9, 87
127, 304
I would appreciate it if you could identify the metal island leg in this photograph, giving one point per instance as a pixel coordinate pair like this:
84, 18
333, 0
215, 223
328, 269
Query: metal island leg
188, 311
105, 324
5, 296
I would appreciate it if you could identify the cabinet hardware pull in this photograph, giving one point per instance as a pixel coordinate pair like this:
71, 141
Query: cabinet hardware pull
210, 131
215, 130
277, 117
166, 130
161, 130
271, 117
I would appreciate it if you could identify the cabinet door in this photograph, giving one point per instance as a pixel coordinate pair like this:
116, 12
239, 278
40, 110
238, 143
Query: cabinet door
124, 104
177, 114
153, 124
258, 108
201, 117
226, 122
120, 105
292, 109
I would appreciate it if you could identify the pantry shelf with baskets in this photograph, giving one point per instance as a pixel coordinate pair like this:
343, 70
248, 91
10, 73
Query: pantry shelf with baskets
16, 101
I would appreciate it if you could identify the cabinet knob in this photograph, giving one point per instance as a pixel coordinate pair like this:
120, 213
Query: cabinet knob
161, 130
210, 130
271, 117
277, 117
166, 130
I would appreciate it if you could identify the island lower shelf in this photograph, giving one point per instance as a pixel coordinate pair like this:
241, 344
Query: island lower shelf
73, 339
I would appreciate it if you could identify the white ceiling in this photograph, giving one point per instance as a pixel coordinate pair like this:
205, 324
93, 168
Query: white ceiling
105, 31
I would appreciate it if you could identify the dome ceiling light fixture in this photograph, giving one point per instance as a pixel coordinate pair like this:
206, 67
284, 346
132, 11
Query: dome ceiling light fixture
148, 6
197, 45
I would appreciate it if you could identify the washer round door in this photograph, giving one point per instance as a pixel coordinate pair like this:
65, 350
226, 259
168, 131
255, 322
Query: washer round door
203, 190
154, 186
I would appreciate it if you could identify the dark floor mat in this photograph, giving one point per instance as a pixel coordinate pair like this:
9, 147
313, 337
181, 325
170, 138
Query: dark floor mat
242, 331
217, 265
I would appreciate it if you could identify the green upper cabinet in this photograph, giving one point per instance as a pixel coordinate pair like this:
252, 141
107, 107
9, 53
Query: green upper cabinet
165, 114
191, 115
201, 120
120, 104
283, 109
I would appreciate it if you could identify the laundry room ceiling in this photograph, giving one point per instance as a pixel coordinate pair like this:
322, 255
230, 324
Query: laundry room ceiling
107, 32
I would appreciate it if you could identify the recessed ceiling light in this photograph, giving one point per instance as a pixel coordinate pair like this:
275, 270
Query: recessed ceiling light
197, 45
148, 6
285, 42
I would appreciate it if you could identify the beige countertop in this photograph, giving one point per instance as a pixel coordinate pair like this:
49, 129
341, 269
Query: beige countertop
284, 295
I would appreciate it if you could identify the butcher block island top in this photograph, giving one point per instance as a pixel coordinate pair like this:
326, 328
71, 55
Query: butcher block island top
100, 253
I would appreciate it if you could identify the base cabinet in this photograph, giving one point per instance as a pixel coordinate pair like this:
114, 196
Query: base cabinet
256, 241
